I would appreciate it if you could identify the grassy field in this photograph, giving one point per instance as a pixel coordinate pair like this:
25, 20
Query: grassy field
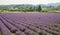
30, 12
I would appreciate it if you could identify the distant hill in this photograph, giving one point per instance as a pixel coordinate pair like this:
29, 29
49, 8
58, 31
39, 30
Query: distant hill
51, 4
28, 5
15, 6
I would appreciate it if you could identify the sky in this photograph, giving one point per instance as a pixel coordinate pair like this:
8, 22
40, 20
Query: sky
7, 2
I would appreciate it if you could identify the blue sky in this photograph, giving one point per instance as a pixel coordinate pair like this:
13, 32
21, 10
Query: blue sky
7, 2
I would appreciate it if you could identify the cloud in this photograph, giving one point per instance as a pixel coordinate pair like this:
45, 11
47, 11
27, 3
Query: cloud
3, 2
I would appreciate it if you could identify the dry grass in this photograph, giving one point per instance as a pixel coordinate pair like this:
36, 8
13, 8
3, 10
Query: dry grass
12, 33
31, 12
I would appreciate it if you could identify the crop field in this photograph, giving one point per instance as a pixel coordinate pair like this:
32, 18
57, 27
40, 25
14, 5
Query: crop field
29, 24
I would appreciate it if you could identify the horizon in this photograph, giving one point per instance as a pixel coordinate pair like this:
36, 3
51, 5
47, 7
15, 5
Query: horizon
33, 2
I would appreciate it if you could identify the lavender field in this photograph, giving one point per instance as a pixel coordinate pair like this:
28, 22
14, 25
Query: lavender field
29, 24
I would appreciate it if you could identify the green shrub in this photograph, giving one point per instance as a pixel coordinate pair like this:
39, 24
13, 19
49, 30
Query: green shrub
44, 11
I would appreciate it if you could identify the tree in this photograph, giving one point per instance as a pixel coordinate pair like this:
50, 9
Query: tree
39, 8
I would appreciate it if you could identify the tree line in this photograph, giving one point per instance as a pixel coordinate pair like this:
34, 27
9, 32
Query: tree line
24, 8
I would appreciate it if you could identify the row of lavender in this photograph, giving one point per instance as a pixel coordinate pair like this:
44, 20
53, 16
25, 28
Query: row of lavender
30, 24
